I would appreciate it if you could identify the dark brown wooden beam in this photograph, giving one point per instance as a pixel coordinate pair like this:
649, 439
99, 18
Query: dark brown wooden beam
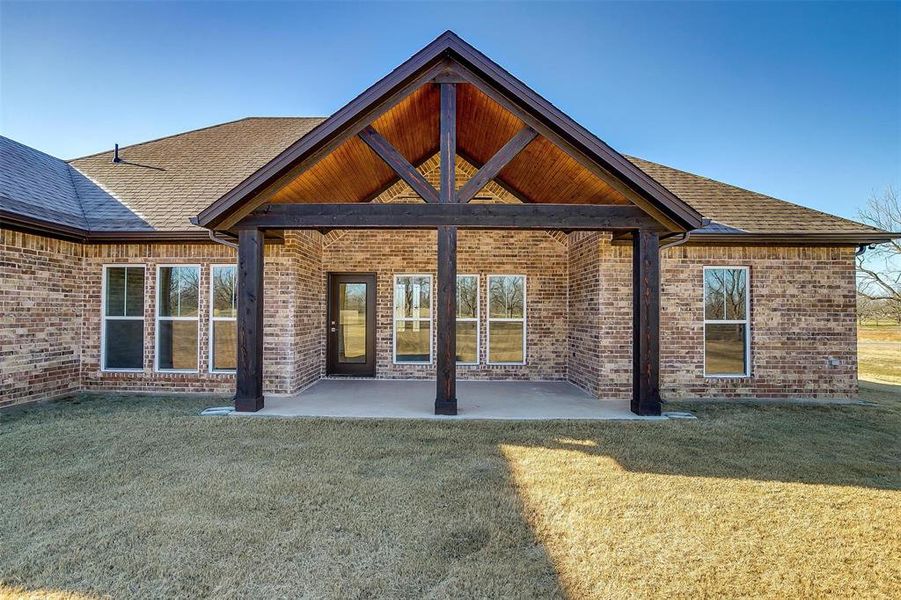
249, 376
447, 149
446, 359
470, 216
446, 371
497, 162
645, 323
400, 165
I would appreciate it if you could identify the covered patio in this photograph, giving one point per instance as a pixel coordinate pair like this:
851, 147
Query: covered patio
452, 102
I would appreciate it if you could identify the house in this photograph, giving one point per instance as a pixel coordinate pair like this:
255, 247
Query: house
447, 223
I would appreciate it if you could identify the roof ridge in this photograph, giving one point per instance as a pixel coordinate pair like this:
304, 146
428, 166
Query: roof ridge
84, 213
749, 191
175, 135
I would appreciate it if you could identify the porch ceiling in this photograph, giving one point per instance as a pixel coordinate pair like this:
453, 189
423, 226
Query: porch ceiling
542, 172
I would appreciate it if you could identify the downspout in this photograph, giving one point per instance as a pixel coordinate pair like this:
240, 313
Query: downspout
678, 242
223, 241
863, 248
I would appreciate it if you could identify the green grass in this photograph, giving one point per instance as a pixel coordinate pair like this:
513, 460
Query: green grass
140, 497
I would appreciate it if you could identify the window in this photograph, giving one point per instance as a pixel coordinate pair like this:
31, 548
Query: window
468, 319
177, 289
223, 318
507, 319
413, 319
726, 324
122, 335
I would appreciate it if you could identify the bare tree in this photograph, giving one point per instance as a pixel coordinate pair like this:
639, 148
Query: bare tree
879, 270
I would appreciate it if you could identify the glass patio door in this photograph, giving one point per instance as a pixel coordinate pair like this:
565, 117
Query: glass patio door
351, 324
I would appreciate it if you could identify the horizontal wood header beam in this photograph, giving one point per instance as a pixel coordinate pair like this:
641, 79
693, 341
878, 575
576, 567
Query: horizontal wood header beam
469, 216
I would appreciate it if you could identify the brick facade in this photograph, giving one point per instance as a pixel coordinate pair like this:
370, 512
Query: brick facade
537, 255
578, 308
803, 307
41, 307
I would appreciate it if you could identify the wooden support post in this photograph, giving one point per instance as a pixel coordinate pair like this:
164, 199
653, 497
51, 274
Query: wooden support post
645, 323
446, 375
249, 377
446, 396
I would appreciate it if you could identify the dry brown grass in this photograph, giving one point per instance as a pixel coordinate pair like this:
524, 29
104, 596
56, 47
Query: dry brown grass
879, 353
139, 497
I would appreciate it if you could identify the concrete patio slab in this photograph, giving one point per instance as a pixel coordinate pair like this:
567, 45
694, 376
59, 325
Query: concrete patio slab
406, 399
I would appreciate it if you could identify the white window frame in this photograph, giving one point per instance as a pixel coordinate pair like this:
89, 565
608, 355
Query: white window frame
523, 320
430, 319
214, 319
477, 321
746, 322
103, 317
158, 318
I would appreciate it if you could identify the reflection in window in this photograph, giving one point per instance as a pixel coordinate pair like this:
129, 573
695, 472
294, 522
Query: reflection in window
176, 315
467, 319
352, 321
506, 319
123, 318
726, 322
223, 318
413, 319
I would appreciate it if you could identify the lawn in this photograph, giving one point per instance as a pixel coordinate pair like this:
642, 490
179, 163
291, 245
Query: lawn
140, 497
879, 352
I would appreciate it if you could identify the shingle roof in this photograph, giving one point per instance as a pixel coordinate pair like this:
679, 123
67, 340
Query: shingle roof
169, 180
162, 183
39, 184
732, 209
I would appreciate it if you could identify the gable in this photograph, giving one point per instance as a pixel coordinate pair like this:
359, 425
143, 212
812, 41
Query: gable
563, 164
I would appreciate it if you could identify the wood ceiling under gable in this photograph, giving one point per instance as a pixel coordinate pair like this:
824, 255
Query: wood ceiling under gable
542, 172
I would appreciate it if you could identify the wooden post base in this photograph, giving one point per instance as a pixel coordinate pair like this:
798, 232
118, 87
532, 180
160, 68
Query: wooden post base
446, 407
248, 404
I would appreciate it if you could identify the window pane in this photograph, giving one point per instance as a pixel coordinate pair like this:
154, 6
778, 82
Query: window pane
467, 296
467, 342
224, 288
225, 345
115, 291
134, 291
412, 297
714, 284
505, 297
177, 345
352, 322
413, 341
178, 291
505, 342
724, 349
124, 345
735, 292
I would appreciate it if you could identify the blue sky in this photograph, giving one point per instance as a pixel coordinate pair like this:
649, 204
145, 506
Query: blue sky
801, 101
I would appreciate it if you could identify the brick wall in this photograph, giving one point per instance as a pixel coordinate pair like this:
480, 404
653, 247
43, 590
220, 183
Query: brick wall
578, 307
539, 256
803, 307
41, 297
291, 300
600, 306
802, 316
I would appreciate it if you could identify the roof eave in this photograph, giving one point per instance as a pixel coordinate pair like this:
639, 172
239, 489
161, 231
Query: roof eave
824, 238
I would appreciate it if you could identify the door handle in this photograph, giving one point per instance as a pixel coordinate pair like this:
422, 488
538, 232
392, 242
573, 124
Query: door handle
333, 329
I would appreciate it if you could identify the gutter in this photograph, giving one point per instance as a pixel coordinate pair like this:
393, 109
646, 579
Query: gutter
675, 243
